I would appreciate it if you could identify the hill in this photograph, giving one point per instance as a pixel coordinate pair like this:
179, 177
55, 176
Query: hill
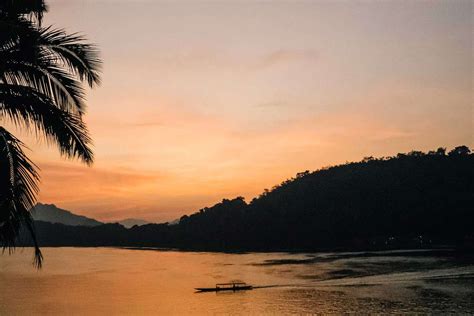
51, 213
409, 200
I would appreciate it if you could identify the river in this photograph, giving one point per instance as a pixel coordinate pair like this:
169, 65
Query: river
145, 281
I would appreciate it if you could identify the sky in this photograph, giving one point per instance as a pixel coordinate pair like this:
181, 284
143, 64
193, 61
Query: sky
202, 101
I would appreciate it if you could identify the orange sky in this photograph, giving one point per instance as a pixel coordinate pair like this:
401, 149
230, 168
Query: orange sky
204, 100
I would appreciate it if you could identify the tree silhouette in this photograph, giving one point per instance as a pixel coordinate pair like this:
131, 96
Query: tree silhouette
42, 70
411, 200
460, 151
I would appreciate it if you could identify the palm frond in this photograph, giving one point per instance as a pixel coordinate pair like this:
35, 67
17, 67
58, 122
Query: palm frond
72, 51
24, 61
18, 189
28, 108
80, 57
41, 76
32, 8
66, 92
12, 29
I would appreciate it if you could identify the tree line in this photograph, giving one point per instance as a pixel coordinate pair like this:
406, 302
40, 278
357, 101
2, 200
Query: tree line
412, 199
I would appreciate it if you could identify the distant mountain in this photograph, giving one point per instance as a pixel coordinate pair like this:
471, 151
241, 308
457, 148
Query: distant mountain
130, 222
52, 214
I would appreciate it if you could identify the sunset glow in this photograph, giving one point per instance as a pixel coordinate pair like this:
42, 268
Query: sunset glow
204, 100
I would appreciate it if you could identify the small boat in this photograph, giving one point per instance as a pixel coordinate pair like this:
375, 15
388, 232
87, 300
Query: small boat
231, 286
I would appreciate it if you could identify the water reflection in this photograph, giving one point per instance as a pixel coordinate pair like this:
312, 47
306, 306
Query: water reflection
106, 280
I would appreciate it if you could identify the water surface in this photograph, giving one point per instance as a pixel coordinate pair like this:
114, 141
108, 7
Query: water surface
128, 281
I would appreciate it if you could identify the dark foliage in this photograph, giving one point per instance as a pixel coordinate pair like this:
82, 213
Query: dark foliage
18, 177
412, 199
42, 72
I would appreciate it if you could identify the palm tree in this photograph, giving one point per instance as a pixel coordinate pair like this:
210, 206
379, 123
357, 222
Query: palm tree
42, 71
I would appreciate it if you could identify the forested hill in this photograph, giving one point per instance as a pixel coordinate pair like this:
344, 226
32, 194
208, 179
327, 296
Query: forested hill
409, 199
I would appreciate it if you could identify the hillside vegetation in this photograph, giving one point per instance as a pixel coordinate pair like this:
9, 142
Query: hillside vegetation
414, 199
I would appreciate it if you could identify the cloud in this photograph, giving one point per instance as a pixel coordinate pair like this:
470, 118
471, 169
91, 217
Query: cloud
216, 60
272, 104
64, 181
284, 56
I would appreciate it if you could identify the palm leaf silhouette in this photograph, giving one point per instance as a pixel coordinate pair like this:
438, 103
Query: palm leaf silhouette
31, 8
30, 109
42, 71
81, 58
18, 178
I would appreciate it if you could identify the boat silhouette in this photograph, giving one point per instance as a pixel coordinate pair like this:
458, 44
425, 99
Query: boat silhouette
231, 286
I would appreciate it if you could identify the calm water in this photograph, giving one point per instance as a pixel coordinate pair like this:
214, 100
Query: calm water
122, 281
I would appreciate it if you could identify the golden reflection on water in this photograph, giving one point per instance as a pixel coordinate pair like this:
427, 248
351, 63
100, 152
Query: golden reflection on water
120, 281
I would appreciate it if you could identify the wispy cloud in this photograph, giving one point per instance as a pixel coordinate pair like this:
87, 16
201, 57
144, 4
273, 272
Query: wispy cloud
285, 56
193, 59
71, 182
